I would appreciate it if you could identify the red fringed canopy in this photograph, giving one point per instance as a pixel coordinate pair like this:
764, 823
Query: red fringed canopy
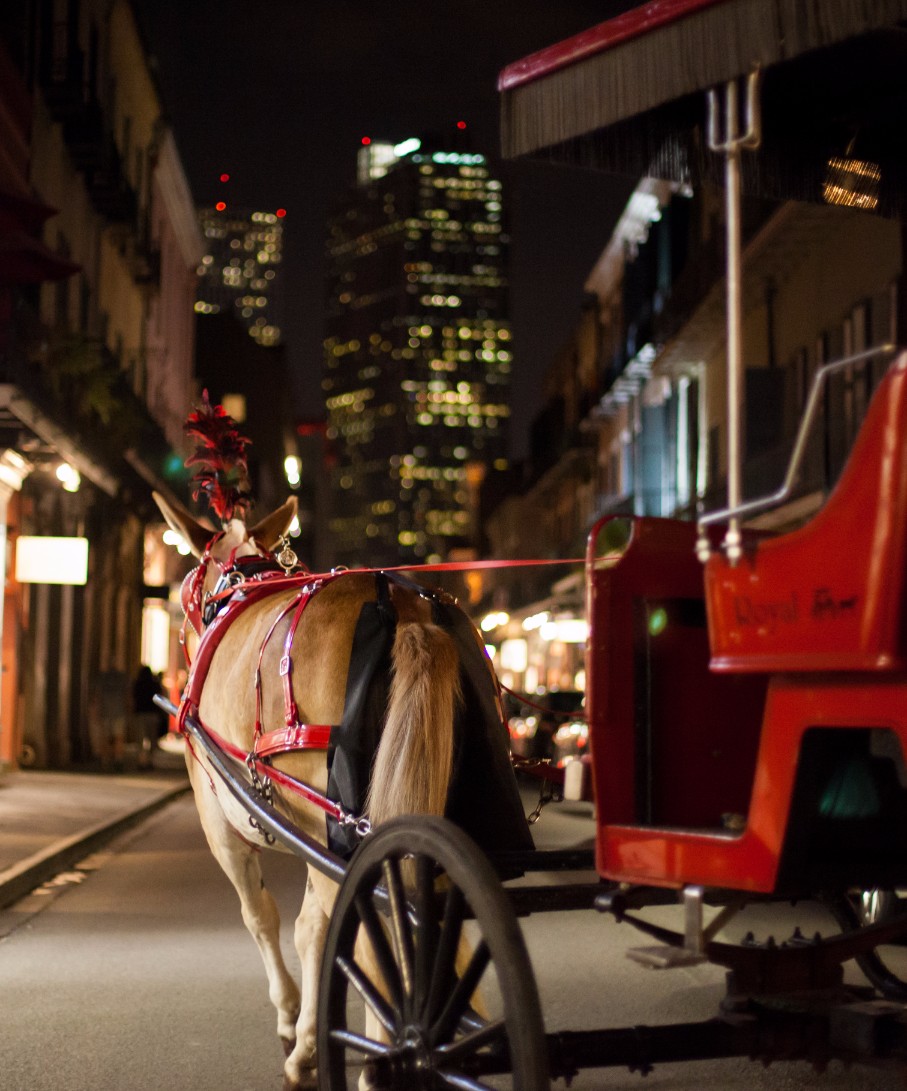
626, 96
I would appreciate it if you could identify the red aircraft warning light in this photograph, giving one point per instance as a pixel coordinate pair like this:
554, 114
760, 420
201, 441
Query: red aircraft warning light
280, 213
220, 206
225, 177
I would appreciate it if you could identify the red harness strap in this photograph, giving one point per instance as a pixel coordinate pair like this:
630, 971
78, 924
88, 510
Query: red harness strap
285, 781
298, 737
294, 735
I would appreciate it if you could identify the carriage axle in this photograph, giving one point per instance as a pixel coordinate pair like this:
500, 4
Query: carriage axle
819, 1030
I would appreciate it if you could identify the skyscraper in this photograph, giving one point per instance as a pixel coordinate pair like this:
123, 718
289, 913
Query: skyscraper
240, 272
417, 351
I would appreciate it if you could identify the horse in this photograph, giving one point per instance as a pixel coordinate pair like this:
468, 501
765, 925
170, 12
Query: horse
244, 694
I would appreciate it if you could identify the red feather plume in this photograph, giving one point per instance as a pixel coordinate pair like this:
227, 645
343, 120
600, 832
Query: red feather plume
220, 454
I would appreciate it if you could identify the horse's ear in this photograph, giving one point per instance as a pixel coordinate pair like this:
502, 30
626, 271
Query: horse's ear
196, 535
268, 532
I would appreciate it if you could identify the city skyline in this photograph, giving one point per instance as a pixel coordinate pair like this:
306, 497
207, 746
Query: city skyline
288, 137
418, 350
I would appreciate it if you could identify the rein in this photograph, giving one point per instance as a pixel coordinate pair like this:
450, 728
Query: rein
245, 581
234, 599
555, 714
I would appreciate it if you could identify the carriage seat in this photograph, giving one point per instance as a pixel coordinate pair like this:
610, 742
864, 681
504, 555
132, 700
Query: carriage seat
828, 596
654, 706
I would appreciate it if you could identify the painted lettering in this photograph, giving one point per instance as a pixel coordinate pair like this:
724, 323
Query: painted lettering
826, 607
766, 615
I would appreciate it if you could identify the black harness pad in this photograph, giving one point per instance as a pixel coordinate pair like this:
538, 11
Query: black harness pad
355, 740
483, 798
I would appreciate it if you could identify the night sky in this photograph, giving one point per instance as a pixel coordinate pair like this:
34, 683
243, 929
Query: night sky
279, 93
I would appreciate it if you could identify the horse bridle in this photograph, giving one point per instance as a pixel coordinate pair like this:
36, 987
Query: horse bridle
200, 607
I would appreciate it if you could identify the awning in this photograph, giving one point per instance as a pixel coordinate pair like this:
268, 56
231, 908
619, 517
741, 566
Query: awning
627, 95
18, 414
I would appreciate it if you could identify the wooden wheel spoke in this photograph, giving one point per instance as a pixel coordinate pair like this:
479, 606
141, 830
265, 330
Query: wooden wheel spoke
360, 1044
443, 971
384, 956
426, 930
424, 967
401, 936
456, 1051
369, 993
462, 994
461, 1082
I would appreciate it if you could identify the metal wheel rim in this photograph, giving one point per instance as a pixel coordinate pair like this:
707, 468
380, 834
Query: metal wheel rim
437, 1041
866, 908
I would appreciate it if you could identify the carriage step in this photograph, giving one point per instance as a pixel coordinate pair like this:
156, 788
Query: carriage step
664, 957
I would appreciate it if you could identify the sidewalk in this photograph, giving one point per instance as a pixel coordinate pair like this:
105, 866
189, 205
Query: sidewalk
51, 820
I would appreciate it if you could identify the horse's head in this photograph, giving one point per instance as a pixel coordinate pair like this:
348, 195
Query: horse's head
219, 551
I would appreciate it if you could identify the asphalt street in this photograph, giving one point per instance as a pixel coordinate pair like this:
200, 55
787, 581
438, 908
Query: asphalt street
133, 972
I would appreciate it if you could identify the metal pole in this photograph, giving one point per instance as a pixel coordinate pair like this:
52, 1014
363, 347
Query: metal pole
733, 142
734, 323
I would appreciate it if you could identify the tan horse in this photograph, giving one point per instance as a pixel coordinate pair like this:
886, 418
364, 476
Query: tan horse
412, 766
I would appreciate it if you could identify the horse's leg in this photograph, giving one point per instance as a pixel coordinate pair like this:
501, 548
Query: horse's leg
240, 862
309, 933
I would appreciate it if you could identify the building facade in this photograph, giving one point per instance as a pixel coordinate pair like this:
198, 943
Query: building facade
417, 353
635, 415
96, 356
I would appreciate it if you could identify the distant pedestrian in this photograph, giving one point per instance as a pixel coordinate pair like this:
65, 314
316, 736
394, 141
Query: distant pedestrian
149, 721
541, 746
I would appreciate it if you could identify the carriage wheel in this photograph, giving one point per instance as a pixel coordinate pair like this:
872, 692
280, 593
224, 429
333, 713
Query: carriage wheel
433, 1037
885, 967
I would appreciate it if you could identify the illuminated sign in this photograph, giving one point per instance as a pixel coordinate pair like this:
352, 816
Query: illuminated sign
51, 560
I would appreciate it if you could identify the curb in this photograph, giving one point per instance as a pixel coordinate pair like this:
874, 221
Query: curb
22, 878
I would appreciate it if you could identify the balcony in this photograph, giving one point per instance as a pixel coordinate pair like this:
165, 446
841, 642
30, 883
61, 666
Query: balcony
85, 135
62, 86
73, 399
94, 153
110, 193
144, 261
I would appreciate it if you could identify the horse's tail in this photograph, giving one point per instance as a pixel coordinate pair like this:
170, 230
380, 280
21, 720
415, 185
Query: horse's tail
414, 761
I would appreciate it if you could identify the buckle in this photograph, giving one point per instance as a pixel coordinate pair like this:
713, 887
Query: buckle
284, 668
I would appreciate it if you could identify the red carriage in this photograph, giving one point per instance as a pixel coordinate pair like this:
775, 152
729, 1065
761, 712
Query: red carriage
752, 748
